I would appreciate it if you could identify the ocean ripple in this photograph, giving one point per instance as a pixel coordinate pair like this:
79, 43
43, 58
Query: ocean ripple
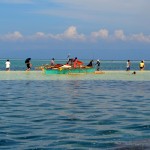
74, 114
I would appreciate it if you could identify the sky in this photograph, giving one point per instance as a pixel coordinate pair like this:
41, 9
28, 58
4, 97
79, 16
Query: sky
87, 29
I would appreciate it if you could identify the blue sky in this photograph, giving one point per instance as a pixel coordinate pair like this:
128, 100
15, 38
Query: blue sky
103, 29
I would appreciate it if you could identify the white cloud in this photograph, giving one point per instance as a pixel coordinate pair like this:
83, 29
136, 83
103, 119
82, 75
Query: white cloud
119, 35
72, 34
102, 33
15, 36
38, 35
69, 34
140, 37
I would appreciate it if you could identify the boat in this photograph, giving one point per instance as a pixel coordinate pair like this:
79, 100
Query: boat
69, 70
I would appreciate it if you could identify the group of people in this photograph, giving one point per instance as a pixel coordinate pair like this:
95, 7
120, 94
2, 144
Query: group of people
27, 62
141, 65
97, 63
74, 63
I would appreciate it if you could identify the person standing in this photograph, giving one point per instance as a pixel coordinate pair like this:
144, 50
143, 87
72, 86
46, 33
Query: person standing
128, 65
7, 65
90, 63
28, 63
98, 64
68, 57
75, 62
52, 63
142, 65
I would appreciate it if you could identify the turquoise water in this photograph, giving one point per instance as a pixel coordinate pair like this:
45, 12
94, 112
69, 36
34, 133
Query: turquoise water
107, 75
93, 111
105, 65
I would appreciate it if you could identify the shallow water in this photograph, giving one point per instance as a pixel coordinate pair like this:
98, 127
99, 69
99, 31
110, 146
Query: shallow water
75, 113
89, 111
107, 75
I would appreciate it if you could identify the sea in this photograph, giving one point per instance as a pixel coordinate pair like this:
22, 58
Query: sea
109, 111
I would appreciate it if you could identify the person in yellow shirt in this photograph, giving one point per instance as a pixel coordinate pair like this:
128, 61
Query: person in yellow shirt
142, 65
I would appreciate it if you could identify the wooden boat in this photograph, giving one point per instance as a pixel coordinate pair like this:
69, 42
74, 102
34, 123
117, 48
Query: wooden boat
70, 70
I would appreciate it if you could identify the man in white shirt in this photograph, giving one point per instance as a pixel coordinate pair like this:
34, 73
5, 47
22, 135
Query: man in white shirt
7, 65
128, 65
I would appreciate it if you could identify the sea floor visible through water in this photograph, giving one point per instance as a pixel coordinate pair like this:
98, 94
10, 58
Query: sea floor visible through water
104, 75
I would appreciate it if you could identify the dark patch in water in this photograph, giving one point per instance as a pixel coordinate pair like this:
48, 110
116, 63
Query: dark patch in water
137, 145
